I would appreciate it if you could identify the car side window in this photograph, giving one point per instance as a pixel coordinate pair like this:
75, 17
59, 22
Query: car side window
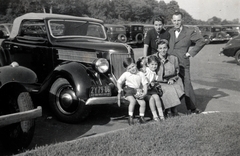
33, 29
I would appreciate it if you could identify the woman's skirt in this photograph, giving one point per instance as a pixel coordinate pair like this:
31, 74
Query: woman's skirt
172, 93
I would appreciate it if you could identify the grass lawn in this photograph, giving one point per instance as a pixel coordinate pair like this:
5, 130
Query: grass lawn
203, 134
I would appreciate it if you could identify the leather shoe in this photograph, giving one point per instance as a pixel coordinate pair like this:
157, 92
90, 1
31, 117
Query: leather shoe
196, 111
141, 120
169, 115
175, 114
130, 120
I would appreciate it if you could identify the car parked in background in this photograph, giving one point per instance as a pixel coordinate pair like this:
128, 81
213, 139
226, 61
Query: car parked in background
213, 33
116, 33
232, 49
135, 34
147, 27
75, 63
5, 30
232, 29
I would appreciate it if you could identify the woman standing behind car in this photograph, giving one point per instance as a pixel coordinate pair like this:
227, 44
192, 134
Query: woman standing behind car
171, 83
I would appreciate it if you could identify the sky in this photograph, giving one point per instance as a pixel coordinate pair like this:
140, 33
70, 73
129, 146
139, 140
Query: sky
206, 9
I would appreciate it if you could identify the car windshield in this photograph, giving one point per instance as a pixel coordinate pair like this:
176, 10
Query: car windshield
74, 28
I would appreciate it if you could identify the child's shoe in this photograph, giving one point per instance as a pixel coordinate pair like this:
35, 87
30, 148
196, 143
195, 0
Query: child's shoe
130, 120
156, 119
141, 120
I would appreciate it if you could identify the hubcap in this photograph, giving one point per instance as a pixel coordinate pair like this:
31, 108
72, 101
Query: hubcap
67, 100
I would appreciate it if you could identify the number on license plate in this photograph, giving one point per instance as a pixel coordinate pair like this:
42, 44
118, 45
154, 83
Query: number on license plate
100, 91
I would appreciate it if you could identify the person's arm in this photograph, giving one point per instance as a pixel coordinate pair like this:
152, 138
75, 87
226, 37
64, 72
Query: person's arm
176, 68
120, 82
145, 50
119, 94
199, 41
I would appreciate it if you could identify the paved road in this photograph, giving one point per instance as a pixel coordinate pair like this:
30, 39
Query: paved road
215, 80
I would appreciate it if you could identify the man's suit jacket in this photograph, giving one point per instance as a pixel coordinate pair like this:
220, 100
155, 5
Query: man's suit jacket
180, 46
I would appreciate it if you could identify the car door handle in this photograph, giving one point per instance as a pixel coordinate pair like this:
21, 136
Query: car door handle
15, 47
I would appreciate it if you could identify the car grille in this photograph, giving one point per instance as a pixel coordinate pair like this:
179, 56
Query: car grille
116, 60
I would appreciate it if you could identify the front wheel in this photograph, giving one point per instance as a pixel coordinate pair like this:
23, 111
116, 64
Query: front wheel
65, 104
237, 57
18, 135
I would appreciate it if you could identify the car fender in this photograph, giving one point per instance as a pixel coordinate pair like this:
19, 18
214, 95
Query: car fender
77, 75
11, 87
17, 74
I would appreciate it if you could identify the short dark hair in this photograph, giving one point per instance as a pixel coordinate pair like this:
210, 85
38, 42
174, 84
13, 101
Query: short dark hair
162, 41
152, 58
178, 13
127, 61
158, 18
140, 62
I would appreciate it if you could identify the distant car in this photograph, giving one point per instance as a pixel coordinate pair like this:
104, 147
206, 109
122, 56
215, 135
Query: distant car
232, 29
232, 49
134, 34
76, 65
213, 33
116, 33
5, 30
147, 27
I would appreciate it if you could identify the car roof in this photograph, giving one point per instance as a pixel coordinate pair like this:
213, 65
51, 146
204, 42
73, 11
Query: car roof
113, 25
41, 16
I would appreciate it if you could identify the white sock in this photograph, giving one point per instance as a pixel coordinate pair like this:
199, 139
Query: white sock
154, 114
142, 114
130, 113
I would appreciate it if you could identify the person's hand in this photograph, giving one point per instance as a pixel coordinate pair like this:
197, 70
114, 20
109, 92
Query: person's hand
141, 96
170, 82
187, 55
152, 84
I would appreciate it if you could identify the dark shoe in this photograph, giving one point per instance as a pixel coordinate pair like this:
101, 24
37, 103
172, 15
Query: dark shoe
130, 120
175, 114
196, 111
141, 120
169, 115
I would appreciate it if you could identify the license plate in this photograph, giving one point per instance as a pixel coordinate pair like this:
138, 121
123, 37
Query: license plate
100, 91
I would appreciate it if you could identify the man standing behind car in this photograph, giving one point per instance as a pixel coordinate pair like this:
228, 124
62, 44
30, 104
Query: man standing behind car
181, 38
152, 35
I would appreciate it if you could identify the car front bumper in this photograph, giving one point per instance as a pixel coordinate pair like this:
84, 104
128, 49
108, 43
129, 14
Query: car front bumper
20, 116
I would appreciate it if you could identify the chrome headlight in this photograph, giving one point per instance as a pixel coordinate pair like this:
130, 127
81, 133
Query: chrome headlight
101, 65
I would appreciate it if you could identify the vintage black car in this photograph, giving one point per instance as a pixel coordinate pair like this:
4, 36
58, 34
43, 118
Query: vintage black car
72, 58
213, 33
232, 49
116, 33
147, 27
17, 111
231, 29
135, 34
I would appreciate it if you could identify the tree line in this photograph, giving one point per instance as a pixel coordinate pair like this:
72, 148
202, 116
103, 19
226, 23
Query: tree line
110, 11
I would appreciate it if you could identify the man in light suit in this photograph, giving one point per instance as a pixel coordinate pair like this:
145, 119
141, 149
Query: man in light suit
181, 38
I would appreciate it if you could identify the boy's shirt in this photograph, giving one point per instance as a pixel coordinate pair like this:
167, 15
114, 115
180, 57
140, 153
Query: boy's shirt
133, 80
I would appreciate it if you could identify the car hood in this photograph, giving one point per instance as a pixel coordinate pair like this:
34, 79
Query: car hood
93, 45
